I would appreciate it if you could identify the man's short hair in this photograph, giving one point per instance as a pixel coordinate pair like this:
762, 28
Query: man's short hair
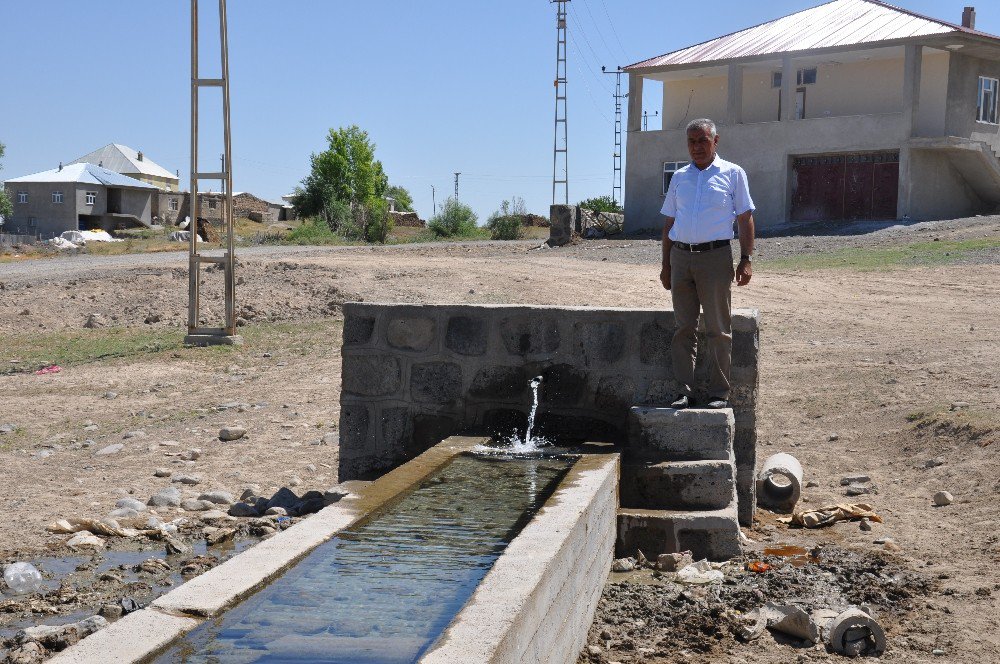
703, 123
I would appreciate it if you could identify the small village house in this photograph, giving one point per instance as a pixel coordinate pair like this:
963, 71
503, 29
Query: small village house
77, 197
852, 110
133, 163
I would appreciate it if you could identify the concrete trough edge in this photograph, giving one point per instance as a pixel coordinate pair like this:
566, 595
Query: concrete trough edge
492, 627
143, 634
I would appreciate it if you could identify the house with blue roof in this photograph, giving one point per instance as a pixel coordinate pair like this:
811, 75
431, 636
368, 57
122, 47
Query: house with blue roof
77, 197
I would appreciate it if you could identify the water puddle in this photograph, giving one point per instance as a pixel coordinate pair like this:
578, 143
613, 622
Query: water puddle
383, 590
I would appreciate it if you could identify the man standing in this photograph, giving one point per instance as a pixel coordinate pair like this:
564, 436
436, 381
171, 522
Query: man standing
702, 202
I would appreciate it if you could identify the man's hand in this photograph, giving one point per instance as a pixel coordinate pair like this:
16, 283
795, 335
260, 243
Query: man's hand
743, 273
665, 277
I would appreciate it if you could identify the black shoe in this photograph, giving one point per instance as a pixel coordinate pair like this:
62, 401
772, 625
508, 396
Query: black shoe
681, 402
717, 403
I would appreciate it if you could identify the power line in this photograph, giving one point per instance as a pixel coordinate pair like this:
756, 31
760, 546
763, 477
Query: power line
612, 24
598, 28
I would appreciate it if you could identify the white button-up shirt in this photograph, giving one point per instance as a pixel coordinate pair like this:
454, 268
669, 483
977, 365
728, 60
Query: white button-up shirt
705, 203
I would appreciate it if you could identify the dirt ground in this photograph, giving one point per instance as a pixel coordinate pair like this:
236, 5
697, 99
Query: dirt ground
877, 359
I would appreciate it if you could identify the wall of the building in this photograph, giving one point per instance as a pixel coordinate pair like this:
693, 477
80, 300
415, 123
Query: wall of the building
167, 184
963, 94
764, 150
938, 189
693, 98
930, 120
857, 88
760, 100
138, 203
51, 219
168, 217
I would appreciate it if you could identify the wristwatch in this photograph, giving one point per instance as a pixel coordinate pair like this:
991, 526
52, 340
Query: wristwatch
748, 259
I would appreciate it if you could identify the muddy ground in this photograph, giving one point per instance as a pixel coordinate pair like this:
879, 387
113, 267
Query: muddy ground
881, 360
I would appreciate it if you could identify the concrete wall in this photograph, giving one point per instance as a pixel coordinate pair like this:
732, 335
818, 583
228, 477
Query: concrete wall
963, 97
538, 601
940, 192
930, 120
414, 375
764, 150
51, 219
692, 98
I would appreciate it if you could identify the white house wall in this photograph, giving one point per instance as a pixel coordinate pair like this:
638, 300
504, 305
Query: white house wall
930, 120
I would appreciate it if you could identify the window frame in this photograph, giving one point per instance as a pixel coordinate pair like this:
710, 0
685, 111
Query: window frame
212, 204
173, 205
22, 197
91, 198
677, 165
800, 77
983, 114
57, 198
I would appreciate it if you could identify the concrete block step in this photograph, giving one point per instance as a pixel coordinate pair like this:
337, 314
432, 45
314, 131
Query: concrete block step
677, 485
712, 534
693, 434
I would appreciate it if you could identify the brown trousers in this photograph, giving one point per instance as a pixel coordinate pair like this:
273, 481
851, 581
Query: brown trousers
702, 280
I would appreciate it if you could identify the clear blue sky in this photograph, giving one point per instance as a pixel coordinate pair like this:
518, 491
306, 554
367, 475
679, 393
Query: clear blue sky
440, 85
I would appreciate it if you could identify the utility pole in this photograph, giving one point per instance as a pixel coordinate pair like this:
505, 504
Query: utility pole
456, 185
197, 333
560, 149
433, 201
616, 178
645, 119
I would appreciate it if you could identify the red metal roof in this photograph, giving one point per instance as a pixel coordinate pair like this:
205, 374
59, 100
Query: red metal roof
837, 23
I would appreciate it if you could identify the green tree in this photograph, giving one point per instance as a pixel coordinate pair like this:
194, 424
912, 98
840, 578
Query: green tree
601, 204
404, 201
6, 209
455, 220
346, 171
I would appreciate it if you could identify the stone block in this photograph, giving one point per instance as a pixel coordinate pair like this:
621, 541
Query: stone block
714, 535
615, 393
685, 435
746, 492
436, 382
396, 429
467, 335
354, 426
371, 375
358, 330
429, 430
574, 427
660, 391
599, 343
654, 344
502, 423
745, 349
502, 383
410, 333
678, 485
562, 222
530, 334
562, 385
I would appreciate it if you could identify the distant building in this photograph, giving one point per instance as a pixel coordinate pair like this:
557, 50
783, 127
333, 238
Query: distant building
852, 110
77, 197
133, 163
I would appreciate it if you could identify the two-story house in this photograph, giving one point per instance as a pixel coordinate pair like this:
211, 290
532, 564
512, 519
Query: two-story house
852, 110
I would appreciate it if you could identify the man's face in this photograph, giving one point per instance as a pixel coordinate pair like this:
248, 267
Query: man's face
701, 146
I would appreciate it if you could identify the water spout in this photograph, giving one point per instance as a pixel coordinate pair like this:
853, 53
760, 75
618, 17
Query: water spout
530, 442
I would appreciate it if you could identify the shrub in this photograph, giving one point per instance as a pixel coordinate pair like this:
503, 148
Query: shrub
507, 223
313, 231
455, 220
602, 204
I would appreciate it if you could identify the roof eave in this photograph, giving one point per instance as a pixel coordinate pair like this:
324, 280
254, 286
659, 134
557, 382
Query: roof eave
935, 41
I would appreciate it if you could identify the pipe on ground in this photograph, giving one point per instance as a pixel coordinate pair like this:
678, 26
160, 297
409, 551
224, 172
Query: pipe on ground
779, 483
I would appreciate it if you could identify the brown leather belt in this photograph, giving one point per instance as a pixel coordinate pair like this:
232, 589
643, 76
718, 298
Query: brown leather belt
704, 246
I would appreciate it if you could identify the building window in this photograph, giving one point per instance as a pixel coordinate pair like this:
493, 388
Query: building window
987, 108
802, 77
669, 168
173, 205
211, 204
57, 197
32, 222
22, 197
91, 197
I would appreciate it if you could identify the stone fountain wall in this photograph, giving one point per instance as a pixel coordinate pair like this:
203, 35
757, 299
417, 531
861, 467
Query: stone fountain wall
415, 374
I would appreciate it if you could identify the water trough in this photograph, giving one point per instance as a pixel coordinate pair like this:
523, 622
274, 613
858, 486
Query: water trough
448, 558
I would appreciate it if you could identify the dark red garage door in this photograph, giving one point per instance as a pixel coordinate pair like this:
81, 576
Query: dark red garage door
845, 187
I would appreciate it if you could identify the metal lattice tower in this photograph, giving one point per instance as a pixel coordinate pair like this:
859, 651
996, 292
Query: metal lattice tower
616, 178
560, 151
197, 334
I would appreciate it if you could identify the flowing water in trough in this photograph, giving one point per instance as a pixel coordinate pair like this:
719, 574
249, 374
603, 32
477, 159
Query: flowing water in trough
382, 591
